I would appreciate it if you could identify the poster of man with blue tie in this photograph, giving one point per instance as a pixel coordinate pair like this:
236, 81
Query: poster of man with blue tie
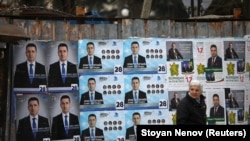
32, 117
102, 125
64, 113
62, 68
29, 67
99, 56
148, 90
101, 91
143, 55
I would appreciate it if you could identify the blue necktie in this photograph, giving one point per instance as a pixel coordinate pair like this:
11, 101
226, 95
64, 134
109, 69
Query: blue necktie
136, 98
66, 124
31, 73
92, 135
63, 72
34, 127
90, 62
91, 98
135, 62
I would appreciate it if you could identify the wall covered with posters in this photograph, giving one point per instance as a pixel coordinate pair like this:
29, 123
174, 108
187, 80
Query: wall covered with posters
108, 86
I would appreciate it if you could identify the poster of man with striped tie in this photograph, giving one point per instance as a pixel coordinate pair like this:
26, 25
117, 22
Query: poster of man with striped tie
209, 61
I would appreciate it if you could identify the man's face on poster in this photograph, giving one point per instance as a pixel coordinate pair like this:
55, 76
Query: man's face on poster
136, 119
63, 53
213, 52
92, 121
135, 84
33, 107
31, 53
91, 85
65, 105
90, 49
216, 101
135, 49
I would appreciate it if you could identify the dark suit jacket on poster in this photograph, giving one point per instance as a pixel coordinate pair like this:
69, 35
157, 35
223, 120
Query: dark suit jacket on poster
216, 64
187, 69
231, 55
128, 62
99, 136
84, 63
218, 114
130, 133
58, 130
129, 98
55, 77
240, 68
21, 77
85, 99
24, 130
172, 54
210, 77
174, 103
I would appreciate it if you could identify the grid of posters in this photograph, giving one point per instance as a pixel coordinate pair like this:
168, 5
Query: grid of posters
114, 84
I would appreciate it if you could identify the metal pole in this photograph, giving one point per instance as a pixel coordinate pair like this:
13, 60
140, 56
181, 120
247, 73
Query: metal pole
192, 8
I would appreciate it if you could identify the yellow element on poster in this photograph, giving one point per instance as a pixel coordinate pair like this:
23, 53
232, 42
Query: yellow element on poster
174, 118
230, 68
174, 69
201, 68
232, 117
248, 67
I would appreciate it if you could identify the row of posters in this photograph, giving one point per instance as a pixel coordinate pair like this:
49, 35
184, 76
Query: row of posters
159, 73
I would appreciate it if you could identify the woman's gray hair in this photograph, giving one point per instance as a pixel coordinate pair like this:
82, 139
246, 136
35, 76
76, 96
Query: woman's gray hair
196, 83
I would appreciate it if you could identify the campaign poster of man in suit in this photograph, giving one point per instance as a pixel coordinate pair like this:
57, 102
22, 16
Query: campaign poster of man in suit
66, 124
174, 102
30, 73
90, 61
62, 73
217, 110
240, 66
34, 126
131, 131
234, 50
92, 132
135, 60
187, 67
210, 76
135, 96
215, 61
91, 96
173, 52
230, 52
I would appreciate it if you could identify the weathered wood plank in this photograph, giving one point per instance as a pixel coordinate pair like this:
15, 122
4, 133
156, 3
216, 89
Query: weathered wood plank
60, 30
138, 28
247, 27
214, 29
105, 31
189, 29
85, 31
201, 30
238, 28
226, 29
157, 28
126, 28
178, 30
